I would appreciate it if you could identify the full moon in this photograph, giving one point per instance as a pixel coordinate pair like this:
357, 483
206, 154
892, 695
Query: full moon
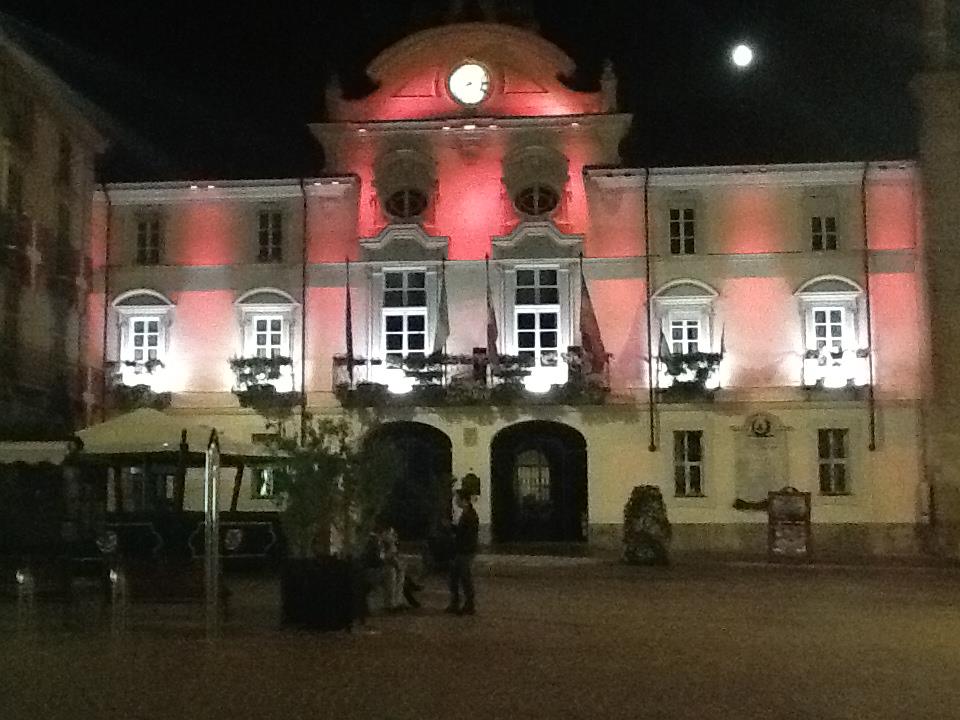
742, 56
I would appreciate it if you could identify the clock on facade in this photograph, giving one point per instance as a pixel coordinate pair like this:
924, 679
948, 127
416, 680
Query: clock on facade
469, 83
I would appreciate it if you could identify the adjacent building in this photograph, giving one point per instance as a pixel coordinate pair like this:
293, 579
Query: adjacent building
47, 150
479, 269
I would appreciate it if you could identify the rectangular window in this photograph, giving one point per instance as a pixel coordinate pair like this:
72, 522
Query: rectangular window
823, 232
828, 323
684, 334
405, 288
270, 236
682, 231
149, 239
144, 339
688, 463
404, 315
832, 451
537, 316
65, 161
268, 336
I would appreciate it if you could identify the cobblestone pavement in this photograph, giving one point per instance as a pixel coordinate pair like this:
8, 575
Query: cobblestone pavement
549, 642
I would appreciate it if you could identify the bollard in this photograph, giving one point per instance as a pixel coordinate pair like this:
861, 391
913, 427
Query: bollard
26, 593
118, 601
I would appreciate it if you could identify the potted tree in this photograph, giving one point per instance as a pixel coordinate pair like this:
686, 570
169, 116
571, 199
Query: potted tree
330, 487
646, 529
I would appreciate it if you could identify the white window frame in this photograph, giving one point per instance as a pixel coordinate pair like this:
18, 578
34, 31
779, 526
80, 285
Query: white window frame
695, 317
284, 308
696, 304
281, 348
394, 377
682, 461
834, 461
542, 376
829, 339
405, 313
682, 209
829, 240
826, 366
131, 350
822, 204
148, 236
127, 314
270, 235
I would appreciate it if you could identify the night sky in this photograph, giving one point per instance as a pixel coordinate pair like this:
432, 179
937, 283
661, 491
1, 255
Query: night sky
210, 90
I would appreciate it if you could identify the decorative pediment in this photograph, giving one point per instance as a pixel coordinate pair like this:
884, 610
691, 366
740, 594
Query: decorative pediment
404, 242
537, 240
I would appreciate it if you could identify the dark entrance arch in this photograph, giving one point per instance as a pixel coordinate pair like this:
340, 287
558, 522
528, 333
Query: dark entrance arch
421, 494
539, 483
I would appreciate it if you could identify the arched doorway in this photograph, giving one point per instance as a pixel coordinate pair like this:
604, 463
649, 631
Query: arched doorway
539, 483
421, 494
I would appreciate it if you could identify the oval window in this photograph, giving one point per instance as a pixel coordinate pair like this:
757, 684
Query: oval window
537, 200
406, 204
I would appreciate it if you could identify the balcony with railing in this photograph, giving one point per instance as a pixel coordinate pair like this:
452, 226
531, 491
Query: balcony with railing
442, 379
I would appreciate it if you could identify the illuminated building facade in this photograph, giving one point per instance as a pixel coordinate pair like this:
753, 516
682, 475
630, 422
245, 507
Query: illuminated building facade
765, 325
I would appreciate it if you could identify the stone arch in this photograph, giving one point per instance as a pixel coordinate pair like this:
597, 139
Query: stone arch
421, 496
538, 472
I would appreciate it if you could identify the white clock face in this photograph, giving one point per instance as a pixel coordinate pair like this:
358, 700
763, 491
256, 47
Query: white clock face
469, 83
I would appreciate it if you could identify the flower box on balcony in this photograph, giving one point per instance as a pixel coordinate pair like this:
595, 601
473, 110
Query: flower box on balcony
266, 400
685, 392
132, 397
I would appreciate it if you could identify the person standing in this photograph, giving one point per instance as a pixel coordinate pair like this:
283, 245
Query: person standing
465, 534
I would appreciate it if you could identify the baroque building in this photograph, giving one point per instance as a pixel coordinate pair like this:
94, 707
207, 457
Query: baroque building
479, 267
48, 146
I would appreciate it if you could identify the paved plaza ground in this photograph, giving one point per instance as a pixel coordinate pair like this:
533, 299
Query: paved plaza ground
576, 640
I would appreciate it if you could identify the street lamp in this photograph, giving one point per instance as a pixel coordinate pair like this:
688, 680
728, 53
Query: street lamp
742, 56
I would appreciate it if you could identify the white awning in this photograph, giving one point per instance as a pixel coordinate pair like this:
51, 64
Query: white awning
33, 453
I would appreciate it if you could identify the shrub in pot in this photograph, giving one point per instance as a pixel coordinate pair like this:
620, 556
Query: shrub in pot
329, 485
646, 529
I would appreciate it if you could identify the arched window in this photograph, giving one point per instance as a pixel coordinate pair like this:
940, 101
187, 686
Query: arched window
406, 204
836, 353
143, 318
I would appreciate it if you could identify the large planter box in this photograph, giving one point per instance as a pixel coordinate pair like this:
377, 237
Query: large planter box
318, 594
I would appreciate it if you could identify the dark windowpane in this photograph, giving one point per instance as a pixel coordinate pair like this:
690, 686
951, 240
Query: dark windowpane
394, 342
549, 296
688, 247
694, 449
548, 277
526, 358
548, 321
526, 321
416, 323
678, 446
526, 340
138, 340
394, 323
839, 443
416, 279
679, 480
688, 214
839, 478
674, 213
416, 298
526, 296
415, 341
261, 325
823, 444
835, 316
816, 225
825, 479
548, 339
675, 246
688, 229
525, 277
695, 480
831, 223
393, 280
676, 333
693, 333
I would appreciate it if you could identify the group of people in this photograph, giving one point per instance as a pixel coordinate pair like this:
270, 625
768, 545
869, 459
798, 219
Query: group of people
456, 547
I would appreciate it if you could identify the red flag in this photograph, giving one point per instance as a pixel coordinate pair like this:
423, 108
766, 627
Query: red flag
590, 340
493, 355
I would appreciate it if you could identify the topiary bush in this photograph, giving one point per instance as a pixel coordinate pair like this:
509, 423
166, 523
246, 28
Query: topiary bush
646, 529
